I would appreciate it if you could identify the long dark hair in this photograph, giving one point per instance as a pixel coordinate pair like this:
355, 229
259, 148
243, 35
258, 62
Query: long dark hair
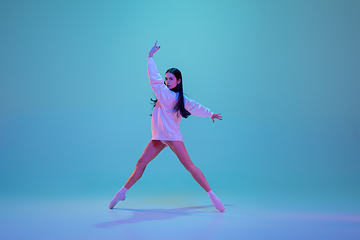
180, 105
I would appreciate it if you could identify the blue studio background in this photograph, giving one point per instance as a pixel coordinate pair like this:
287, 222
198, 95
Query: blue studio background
75, 98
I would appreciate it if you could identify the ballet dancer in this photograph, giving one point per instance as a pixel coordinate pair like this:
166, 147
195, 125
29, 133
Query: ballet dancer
170, 106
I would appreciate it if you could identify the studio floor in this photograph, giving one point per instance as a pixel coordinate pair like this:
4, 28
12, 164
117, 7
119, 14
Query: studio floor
172, 217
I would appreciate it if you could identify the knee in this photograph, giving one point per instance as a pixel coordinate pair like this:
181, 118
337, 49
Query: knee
141, 164
191, 168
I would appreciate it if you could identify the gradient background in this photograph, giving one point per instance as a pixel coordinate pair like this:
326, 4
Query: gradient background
75, 97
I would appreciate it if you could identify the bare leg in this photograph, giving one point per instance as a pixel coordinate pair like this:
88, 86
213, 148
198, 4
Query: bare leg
179, 149
153, 148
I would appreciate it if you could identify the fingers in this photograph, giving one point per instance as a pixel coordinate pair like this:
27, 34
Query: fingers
217, 116
156, 47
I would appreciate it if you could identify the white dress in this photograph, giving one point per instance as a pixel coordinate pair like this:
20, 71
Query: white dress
165, 121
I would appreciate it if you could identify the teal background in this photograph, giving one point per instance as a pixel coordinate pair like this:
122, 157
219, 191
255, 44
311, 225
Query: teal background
75, 98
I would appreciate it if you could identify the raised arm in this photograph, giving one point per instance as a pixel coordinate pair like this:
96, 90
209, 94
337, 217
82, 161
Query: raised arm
163, 93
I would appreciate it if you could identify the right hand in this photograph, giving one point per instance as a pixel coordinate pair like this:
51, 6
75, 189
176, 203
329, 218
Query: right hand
154, 49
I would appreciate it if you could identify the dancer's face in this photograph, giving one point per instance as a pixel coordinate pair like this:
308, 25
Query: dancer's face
171, 81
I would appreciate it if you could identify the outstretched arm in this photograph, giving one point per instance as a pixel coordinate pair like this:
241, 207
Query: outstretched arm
197, 109
217, 116
154, 49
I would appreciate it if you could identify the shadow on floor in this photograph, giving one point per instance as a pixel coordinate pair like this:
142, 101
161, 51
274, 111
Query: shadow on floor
141, 215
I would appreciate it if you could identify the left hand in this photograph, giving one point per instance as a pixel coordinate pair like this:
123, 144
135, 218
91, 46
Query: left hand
217, 116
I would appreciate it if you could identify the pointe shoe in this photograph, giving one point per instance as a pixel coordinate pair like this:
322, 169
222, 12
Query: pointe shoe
117, 198
217, 203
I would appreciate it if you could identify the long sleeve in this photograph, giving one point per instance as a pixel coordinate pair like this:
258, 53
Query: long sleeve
163, 93
197, 109
165, 121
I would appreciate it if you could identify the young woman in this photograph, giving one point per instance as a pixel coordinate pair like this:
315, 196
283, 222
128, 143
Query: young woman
171, 105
